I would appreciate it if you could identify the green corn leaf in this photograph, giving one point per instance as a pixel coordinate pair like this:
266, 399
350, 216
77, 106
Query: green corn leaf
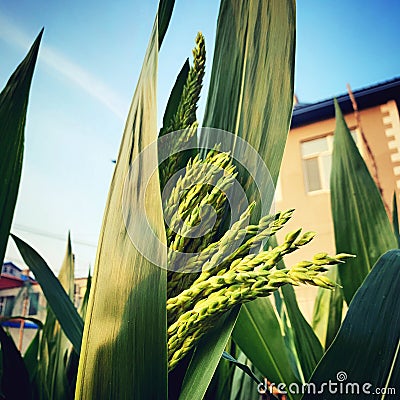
366, 348
83, 307
201, 370
251, 86
66, 275
15, 383
124, 344
245, 368
56, 296
175, 97
55, 348
395, 219
360, 221
260, 337
221, 383
13, 107
165, 8
243, 386
183, 119
308, 349
251, 90
328, 309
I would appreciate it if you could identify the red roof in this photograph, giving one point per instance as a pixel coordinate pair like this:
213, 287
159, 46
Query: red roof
9, 282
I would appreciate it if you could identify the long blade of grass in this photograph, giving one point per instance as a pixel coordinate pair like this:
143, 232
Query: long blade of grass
260, 337
165, 8
244, 387
366, 347
251, 92
175, 97
56, 296
360, 221
200, 369
13, 107
55, 348
251, 86
124, 344
85, 301
328, 309
308, 349
245, 368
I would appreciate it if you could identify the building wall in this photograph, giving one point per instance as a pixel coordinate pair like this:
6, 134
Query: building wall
382, 130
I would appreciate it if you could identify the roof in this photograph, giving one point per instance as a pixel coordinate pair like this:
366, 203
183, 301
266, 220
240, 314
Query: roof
9, 280
371, 96
11, 264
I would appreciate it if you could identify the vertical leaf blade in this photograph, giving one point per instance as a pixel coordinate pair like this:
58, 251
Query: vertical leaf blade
56, 297
203, 365
251, 91
259, 336
308, 349
328, 309
13, 107
124, 345
361, 224
251, 87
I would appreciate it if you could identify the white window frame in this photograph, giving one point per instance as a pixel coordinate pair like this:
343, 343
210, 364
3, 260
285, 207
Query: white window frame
318, 155
329, 136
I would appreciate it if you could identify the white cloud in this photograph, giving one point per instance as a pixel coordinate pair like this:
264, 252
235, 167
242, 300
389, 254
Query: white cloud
57, 61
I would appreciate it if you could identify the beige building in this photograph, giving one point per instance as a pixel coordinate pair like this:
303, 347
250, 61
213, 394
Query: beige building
21, 295
305, 171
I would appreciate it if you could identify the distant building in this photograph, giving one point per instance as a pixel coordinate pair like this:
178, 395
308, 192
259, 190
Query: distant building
304, 177
21, 295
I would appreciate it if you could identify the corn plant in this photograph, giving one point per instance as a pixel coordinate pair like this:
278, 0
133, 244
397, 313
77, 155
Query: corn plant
156, 327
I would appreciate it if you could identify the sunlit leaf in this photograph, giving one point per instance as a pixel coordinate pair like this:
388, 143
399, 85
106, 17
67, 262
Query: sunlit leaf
55, 349
124, 345
251, 88
360, 221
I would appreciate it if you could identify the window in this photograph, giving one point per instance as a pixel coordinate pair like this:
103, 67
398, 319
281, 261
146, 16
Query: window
317, 161
6, 305
33, 304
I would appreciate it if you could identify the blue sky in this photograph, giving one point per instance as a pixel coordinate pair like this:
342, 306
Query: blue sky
88, 66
